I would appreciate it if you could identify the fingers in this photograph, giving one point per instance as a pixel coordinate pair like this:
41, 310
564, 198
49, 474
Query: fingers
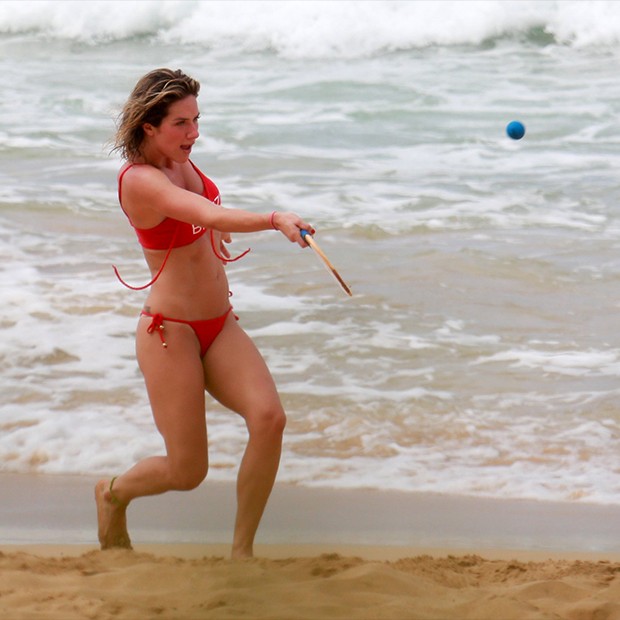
297, 236
224, 250
225, 238
291, 225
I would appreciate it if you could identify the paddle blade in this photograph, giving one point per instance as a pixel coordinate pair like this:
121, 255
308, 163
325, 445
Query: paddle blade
309, 239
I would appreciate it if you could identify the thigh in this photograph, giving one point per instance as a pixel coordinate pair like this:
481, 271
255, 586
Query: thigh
175, 385
236, 374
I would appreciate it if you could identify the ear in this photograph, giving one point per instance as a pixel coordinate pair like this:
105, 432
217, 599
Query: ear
148, 129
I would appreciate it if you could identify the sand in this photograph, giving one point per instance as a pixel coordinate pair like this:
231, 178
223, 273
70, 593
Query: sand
320, 554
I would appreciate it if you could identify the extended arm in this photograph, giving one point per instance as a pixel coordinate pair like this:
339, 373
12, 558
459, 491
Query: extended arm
147, 190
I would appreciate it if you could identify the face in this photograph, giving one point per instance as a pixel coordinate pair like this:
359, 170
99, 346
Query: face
178, 131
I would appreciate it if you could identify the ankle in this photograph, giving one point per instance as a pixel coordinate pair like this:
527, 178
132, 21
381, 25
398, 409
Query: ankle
241, 554
111, 496
241, 550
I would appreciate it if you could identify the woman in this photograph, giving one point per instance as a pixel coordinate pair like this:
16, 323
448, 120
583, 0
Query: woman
188, 340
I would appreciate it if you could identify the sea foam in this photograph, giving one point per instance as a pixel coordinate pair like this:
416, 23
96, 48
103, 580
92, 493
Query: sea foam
313, 29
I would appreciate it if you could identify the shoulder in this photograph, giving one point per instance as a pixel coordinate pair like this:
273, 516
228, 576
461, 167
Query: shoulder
145, 192
142, 180
136, 173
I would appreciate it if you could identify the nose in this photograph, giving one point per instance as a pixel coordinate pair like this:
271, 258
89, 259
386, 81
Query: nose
193, 132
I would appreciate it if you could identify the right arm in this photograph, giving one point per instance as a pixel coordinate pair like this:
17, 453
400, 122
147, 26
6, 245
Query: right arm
147, 190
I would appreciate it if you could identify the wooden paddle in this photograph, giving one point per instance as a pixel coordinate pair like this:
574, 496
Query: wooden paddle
307, 237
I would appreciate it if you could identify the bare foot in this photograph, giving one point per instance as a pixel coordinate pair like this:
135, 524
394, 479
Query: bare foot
111, 518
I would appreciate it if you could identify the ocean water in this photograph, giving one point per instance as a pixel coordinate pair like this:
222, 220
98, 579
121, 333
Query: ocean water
480, 353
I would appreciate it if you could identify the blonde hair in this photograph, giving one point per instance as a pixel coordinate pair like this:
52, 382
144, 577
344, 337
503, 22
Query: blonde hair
149, 103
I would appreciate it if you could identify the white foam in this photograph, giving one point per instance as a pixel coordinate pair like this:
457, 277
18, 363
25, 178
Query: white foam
311, 29
575, 363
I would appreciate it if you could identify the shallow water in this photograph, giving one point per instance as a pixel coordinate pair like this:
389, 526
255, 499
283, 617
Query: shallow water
479, 353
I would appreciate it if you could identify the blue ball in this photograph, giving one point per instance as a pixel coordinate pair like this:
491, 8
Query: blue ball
515, 130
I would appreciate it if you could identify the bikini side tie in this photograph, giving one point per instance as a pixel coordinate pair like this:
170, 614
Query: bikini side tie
157, 324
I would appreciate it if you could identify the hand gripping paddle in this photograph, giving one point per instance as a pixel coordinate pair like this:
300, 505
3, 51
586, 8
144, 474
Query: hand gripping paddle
307, 237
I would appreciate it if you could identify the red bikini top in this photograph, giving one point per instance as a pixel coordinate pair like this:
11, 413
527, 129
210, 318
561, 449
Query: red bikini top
170, 231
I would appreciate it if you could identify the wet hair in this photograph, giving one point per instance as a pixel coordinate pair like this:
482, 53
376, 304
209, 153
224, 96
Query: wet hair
149, 102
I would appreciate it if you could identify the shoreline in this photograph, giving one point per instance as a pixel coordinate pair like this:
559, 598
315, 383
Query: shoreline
45, 510
320, 554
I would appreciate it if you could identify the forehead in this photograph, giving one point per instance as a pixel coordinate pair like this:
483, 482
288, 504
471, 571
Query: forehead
184, 108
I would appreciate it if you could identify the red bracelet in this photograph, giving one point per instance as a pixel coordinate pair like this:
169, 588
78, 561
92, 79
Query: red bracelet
273, 214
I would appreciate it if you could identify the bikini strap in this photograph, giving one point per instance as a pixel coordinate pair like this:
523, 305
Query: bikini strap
155, 278
223, 258
120, 182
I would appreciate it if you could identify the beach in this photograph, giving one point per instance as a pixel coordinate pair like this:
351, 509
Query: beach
321, 553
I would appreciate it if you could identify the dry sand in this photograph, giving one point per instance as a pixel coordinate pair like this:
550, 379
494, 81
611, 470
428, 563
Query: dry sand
321, 554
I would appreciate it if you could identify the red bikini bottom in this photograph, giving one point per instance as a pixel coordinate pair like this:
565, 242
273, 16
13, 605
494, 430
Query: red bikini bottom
206, 331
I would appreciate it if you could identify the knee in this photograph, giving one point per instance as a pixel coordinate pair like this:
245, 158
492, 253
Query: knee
279, 423
190, 476
269, 422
